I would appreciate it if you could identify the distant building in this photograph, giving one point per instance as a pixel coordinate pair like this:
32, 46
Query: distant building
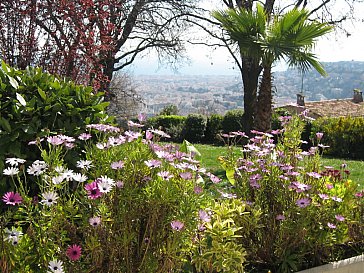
353, 107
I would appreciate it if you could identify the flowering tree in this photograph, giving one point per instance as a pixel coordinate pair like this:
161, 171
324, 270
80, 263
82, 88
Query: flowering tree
87, 40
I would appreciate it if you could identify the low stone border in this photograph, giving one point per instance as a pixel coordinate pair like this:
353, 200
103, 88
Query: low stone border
351, 265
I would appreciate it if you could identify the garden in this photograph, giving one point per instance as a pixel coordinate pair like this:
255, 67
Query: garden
81, 194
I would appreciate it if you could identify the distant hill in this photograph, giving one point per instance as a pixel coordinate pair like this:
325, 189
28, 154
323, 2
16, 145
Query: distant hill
342, 78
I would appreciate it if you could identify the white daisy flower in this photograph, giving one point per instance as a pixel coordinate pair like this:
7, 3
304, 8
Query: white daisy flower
68, 174
13, 161
57, 179
11, 171
84, 164
56, 266
104, 186
12, 234
59, 169
38, 167
79, 177
49, 198
108, 180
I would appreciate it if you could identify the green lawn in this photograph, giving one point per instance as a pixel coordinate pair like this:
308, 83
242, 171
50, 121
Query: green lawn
211, 153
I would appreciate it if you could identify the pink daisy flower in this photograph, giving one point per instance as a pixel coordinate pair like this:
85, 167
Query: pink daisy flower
304, 202
12, 198
74, 252
93, 190
177, 225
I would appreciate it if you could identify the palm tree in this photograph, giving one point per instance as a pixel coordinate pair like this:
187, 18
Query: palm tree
265, 40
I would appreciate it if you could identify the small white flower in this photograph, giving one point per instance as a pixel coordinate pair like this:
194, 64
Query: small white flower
79, 177
57, 179
56, 266
11, 171
13, 235
68, 174
84, 164
38, 167
49, 198
13, 161
108, 180
59, 169
104, 186
101, 146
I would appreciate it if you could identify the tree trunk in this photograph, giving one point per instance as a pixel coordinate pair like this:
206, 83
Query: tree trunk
264, 104
250, 74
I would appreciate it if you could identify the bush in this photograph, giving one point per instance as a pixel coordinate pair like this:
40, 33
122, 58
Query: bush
306, 209
213, 128
344, 135
171, 124
36, 104
195, 126
232, 121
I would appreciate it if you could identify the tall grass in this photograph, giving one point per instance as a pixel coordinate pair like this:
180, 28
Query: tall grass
210, 154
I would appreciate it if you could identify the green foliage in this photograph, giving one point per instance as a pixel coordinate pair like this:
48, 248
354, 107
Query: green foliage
136, 212
232, 121
35, 104
169, 110
217, 248
173, 125
344, 135
213, 128
306, 209
195, 126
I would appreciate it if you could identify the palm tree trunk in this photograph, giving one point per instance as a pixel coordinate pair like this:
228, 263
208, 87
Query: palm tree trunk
250, 74
264, 104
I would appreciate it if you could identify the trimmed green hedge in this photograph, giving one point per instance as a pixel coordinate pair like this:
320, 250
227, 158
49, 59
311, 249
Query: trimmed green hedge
195, 127
171, 124
344, 135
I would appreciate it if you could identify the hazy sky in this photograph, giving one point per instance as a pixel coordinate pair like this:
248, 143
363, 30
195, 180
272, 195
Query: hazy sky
332, 48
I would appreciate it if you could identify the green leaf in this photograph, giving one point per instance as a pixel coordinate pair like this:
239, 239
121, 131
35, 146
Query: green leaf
230, 176
5, 124
21, 99
42, 94
187, 147
13, 82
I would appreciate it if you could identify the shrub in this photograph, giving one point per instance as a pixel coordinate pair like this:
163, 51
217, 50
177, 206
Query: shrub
343, 135
306, 209
126, 207
35, 104
232, 121
195, 126
213, 128
171, 124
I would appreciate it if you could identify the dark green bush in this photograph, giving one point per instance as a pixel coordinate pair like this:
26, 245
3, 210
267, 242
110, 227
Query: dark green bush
213, 128
195, 128
232, 121
344, 135
35, 104
171, 124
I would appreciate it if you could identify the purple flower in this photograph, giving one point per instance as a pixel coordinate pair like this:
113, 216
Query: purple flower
323, 196
214, 179
12, 198
134, 124
204, 216
142, 117
319, 135
74, 252
55, 140
84, 136
314, 175
94, 221
153, 163
197, 190
177, 225
103, 127
186, 175
280, 217
93, 190
117, 165
339, 217
303, 202
331, 225
165, 175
